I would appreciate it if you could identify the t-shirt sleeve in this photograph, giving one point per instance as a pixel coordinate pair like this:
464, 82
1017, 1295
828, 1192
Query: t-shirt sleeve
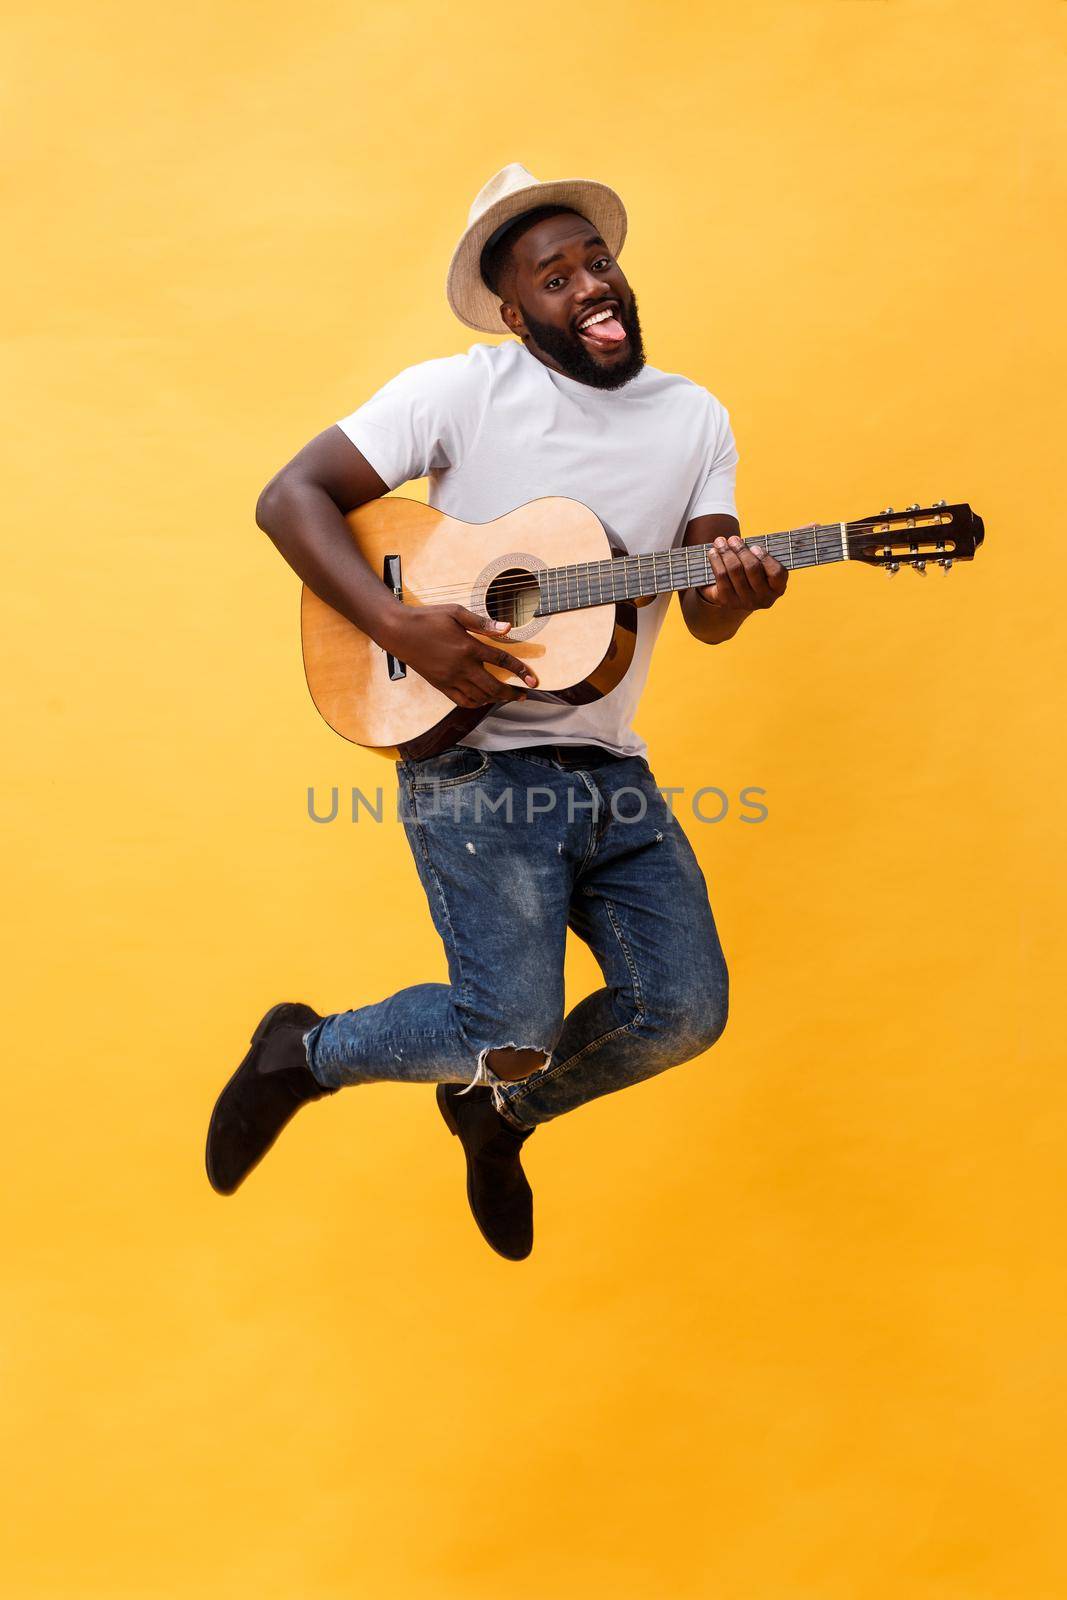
419, 422
717, 490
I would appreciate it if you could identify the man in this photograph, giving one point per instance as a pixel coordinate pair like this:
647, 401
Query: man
570, 409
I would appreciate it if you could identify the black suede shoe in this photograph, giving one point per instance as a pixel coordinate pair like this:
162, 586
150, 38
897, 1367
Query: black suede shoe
268, 1088
499, 1195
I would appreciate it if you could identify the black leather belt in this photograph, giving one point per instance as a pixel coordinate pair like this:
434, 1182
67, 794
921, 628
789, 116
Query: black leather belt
569, 755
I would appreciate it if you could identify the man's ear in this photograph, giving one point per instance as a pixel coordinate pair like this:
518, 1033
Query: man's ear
512, 319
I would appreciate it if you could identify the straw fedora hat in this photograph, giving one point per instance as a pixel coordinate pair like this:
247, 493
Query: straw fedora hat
509, 193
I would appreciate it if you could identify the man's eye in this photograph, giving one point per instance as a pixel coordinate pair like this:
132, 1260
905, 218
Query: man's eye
601, 261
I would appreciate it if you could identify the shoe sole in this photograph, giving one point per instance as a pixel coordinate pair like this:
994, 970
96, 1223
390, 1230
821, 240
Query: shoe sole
263, 1028
453, 1128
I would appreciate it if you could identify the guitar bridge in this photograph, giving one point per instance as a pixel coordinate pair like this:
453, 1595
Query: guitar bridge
392, 580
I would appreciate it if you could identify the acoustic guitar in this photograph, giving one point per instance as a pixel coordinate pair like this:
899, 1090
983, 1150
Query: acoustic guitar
570, 591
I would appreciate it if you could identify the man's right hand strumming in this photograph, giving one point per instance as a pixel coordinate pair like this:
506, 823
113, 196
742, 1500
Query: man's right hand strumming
439, 643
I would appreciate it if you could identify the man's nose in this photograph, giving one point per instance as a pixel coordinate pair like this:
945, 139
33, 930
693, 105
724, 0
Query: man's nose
588, 285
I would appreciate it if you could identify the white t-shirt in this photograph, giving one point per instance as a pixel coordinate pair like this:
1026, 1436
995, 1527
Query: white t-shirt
495, 428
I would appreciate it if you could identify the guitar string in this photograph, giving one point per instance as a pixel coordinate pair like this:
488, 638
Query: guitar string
570, 580
591, 571
570, 590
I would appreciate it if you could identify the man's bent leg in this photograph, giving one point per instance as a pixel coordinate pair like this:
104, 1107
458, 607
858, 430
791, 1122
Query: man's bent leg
499, 891
642, 906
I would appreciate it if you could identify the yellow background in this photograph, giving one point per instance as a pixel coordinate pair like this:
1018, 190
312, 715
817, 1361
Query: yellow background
794, 1324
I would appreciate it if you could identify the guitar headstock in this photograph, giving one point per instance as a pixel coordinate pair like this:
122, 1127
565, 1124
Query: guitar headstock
916, 535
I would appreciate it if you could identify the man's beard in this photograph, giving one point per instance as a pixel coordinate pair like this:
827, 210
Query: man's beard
567, 347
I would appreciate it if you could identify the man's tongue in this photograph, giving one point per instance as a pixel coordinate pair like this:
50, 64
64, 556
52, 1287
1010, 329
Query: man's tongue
606, 333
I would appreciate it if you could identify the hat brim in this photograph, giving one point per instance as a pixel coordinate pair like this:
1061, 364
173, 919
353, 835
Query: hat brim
473, 302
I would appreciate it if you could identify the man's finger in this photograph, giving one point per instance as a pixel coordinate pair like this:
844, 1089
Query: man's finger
735, 576
500, 658
756, 576
771, 567
720, 594
487, 689
473, 622
777, 575
727, 570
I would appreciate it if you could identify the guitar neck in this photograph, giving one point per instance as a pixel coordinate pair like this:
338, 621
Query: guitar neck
598, 583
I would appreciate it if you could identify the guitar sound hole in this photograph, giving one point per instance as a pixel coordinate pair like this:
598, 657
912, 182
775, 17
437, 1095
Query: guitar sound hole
513, 597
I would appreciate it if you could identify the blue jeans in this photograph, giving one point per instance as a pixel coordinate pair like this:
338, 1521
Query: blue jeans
513, 849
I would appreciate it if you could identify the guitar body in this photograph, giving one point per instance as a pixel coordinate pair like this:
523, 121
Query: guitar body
430, 558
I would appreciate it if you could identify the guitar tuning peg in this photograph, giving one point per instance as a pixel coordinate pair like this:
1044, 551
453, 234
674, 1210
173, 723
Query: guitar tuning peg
920, 568
888, 512
946, 565
892, 567
940, 502
915, 507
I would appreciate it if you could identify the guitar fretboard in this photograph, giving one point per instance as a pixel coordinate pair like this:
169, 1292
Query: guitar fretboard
598, 583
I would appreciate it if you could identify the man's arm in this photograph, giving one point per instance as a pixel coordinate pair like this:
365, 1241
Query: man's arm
746, 580
303, 510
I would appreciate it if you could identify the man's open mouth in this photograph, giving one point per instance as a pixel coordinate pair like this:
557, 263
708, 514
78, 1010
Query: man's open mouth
601, 327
